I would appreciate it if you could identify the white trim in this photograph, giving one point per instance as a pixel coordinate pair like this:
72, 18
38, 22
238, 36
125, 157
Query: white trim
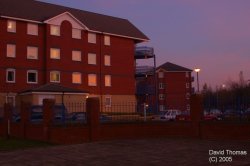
21, 19
79, 22
11, 96
13, 70
57, 72
79, 83
110, 98
32, 71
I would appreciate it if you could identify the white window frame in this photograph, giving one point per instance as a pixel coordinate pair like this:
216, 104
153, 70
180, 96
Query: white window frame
76, 33
161, 85
7, 52
57, 72
108, 104
107, 62
58, 49
55, 30
32, 29
107, 40
14, 76
161, 74
92, 84
106, 79
91, 59
31, 47
32, 71
92, 38
161, 96
9, 29
80, 74
162, 107
74, 56
187, 96
13, 97
187, 74
187, 85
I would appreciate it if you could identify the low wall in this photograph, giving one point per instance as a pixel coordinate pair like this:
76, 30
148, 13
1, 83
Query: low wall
2, 128
225, 130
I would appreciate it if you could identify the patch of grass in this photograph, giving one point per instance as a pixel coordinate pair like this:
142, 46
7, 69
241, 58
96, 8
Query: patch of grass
19, 144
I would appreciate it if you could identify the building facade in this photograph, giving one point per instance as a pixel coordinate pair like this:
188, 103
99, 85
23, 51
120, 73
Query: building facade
44, 44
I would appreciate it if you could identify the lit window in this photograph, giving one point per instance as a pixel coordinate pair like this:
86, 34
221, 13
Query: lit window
11, 50
32, 29
162, 108
55, 76
32, 76
92, 80
32, 52
161, 86
108, 101
187, 85
107, 61
107, 40
92, 38
76, 33
55, 53
187, 74
92, 59
55, 30
161, 74
161, 96
11, 26
10, 75
77, 78
108, 80
76, 56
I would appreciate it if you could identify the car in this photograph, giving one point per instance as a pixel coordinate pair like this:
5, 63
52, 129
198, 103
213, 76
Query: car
184, 116
231, 114
160, 116
172, 113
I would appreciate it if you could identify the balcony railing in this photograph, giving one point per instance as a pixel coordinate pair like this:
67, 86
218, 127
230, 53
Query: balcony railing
145, 90
144, 52
142, 71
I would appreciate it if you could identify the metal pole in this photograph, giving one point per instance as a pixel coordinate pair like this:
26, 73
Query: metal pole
198, 88
156, 85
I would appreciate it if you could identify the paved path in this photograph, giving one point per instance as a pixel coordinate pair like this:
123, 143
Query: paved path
147, 152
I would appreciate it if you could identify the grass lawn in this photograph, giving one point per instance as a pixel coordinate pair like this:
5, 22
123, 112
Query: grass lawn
17, 144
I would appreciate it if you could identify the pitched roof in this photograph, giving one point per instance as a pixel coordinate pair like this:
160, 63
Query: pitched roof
173, 67
40, 11
56, 88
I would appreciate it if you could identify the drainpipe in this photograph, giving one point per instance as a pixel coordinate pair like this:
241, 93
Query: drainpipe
100, 75
156, 85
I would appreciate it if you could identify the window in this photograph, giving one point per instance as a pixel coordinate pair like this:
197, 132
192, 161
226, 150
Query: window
11, 50
11, 100
161, 85
92, 80
55, 30
92, 38
11, 26
162, 107
188, 107
76, 33
55, 76
55, 53
188, 96
92, 59
187, 74
32, 29
107, 40
32, 52
187, 85
32, 76
11, 75
108, 101
76, 56
107, 61
108, 80
76, 78
161, 74
161, 96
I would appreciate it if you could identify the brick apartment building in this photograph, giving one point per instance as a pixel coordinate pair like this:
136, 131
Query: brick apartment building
47, 51
173, 88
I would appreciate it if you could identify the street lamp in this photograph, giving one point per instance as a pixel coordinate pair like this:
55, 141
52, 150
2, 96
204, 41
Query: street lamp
197, 70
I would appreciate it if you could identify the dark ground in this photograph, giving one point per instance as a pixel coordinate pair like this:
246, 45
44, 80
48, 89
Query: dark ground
145, 152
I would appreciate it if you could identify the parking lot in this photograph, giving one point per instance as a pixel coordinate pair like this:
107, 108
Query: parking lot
152, 152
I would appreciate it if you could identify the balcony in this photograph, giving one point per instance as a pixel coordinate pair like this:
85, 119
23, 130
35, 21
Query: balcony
192, 79
145, 90
144, 52
144, 71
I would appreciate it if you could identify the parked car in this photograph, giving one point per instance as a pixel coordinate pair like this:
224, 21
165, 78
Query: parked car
246, 114
160, 116
171, 114
184, 116
232, 115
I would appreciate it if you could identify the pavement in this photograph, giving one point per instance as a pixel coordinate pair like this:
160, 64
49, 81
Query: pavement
143, 152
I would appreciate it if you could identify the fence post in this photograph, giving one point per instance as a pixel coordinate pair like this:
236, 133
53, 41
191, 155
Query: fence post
93, 118
196, 113
7, 119
25, 117
47, 117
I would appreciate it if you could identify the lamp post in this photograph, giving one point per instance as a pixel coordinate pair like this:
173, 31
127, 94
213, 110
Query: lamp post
197, 70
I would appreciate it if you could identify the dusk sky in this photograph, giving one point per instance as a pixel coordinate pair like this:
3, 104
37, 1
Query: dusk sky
213, 35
